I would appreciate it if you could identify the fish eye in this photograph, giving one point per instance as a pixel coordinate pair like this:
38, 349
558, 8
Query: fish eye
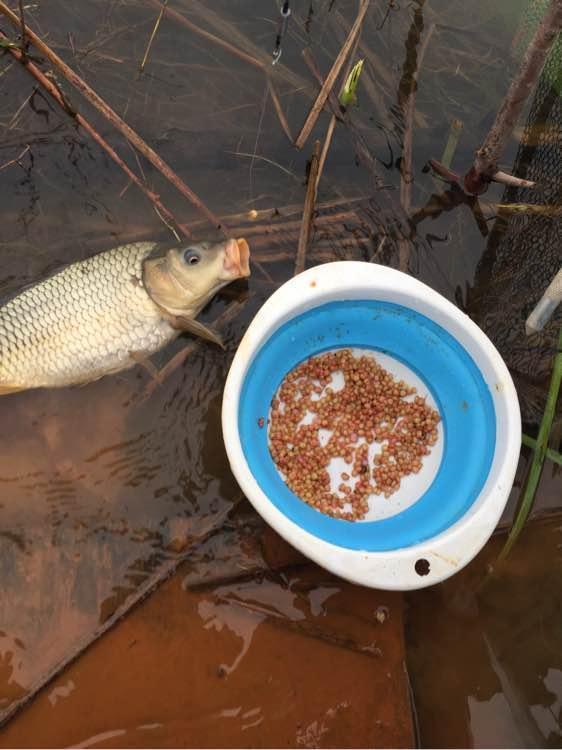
191, 256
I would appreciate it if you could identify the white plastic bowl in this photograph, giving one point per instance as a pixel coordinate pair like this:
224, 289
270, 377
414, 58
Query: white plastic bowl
441, 518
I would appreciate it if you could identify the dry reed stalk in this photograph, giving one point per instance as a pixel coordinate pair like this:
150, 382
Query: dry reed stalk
18, 158
234, 50
485, 165
51, 88
153, 35
95, 100
406, 175
231, 31
184, 21
332, 124
278, 109
331, 77
308, 209
315, 70
276, 215
287, 226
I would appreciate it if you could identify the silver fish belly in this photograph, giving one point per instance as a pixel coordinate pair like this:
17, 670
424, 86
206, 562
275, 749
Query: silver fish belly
82, 323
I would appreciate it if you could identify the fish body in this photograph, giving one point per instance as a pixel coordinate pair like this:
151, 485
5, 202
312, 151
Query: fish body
101, 315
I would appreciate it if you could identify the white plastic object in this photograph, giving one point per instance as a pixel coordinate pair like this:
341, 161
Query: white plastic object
450, 550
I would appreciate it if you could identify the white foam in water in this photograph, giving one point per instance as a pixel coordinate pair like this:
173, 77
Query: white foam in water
413, 486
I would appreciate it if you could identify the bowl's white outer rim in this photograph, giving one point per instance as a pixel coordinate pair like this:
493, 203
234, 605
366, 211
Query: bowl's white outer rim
452, 549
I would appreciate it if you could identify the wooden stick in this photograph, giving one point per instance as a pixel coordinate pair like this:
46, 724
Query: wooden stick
49, 86
331, 77
114, 119
488, 155
308, 209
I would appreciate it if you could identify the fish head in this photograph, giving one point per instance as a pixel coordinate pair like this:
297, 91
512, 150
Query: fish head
187, 277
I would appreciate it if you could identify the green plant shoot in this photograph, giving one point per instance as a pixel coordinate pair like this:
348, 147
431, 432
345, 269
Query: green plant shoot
348, 96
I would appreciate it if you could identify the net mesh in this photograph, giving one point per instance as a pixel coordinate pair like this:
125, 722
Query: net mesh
524, 251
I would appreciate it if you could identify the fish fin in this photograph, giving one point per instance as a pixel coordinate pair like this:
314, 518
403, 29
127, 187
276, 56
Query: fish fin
6, 388
141, 359
198, 329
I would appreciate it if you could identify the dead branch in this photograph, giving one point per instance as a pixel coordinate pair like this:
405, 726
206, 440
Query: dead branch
331, 77
487, 157
308, 209
52, 89
114, 119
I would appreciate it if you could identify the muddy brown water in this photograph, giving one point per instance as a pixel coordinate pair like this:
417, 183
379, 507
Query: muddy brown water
102, 490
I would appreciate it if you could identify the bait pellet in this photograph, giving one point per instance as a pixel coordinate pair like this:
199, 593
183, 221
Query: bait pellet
372, 407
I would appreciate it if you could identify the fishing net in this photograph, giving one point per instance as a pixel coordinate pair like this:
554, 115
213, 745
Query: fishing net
524, 251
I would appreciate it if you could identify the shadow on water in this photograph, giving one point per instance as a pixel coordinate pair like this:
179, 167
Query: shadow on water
103, 491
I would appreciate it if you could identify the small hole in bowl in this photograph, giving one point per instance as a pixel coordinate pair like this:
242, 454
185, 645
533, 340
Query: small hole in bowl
422, 567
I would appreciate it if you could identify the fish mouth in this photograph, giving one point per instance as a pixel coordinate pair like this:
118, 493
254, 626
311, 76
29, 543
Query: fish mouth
237, 258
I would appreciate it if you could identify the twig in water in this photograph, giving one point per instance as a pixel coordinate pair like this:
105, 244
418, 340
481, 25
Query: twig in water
153, 35
508, 179
16, 160
210, 37
406, 176
263, 158
22, 21
313, 67
279, 110
331, 77
485, 165
114, 119
378, 251
308, 209
49, 86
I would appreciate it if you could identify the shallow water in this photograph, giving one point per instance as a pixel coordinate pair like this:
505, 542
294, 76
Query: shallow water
102, 489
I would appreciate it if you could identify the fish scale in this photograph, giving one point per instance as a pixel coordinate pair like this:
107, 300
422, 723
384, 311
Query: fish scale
81, 323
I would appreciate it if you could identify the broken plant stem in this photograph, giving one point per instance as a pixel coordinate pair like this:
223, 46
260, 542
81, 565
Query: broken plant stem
184, 21
487, 157
328, 84
153, 35
508, 179
313, 67
95, 100
406, 175
52, 89
308, 209
22, 22
16, 160
279, 110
